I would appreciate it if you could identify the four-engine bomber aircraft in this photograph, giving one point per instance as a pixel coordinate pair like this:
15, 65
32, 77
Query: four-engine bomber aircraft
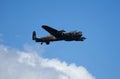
57, 35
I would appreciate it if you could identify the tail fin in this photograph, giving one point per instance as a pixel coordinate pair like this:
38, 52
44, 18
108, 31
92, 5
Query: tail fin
34, 35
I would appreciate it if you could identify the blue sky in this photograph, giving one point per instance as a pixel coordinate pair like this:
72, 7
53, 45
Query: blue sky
99, 20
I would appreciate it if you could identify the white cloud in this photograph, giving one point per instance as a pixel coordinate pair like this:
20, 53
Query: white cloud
15, 64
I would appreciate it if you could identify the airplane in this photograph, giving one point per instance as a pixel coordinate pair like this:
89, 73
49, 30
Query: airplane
58, 35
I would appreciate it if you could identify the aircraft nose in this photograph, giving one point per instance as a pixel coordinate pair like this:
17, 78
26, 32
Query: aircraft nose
84, 38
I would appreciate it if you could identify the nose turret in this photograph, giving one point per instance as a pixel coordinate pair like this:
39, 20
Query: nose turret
83, 38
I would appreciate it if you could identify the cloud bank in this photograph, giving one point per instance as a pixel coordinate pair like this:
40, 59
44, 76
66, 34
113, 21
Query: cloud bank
16, 64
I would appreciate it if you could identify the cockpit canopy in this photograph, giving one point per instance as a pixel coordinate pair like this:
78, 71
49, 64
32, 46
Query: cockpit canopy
76, 33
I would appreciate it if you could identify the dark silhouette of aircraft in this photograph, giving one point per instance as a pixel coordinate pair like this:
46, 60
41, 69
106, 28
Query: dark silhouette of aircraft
57, 35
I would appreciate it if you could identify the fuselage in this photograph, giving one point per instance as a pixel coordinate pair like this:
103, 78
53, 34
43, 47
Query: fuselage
64, 36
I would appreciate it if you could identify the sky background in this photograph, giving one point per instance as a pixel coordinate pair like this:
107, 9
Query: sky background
99, 20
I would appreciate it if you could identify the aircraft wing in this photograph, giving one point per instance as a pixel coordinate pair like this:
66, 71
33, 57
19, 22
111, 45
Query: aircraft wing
52, 31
